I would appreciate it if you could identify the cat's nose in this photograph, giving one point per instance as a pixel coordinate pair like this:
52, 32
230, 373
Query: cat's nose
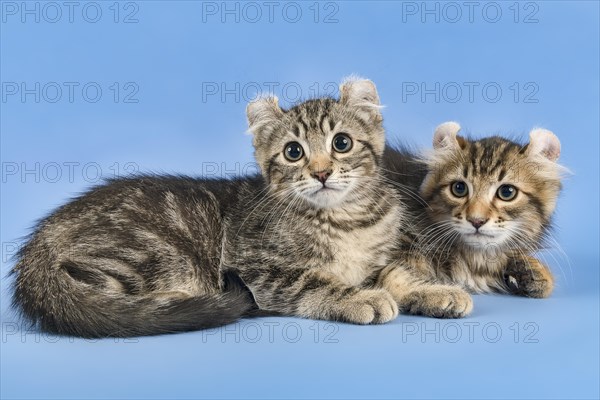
477, 222
321, 176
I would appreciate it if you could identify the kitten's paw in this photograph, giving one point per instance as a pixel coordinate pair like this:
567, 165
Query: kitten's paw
529, 277
369, 307
438, 301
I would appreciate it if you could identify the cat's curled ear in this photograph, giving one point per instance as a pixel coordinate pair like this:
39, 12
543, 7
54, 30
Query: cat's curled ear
262, 111
543, 143
446, 136
361, 94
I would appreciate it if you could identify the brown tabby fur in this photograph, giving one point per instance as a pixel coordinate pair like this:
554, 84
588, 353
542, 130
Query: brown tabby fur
497, 255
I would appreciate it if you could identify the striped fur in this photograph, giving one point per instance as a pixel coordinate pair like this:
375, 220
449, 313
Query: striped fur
158, 254
480, 241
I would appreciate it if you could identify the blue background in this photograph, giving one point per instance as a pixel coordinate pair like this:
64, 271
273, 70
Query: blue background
175, 55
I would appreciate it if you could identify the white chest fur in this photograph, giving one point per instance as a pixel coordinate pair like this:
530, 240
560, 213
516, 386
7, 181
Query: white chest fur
360, 251
476, 270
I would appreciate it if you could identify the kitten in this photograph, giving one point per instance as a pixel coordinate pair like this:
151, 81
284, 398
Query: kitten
486, 207
157, 254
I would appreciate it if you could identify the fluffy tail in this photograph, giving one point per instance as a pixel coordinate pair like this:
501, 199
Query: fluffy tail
60, 305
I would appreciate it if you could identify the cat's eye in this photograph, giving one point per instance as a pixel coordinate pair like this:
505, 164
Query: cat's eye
459, 189
293, 151
342, 143
507, 192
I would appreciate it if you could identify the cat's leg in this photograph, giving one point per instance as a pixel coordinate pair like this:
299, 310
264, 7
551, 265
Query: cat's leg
527, 276
315, 294
416, 295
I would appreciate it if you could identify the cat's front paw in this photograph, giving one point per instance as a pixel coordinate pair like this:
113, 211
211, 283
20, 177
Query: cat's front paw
368, 307
438, 301
528, 277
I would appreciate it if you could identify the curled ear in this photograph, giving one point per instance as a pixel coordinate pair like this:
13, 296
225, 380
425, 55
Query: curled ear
360, 93
445, 136
262, 111
544, 143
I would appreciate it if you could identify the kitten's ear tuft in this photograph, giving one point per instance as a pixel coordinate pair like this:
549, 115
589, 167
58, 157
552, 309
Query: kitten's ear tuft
545, 143
445, 136
262, 111
362, 94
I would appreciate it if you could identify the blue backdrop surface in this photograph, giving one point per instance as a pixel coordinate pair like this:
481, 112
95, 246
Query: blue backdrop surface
101, 89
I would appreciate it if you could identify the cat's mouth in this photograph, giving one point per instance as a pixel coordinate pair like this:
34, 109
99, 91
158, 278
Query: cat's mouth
485, 238
479, 234
325, 191
326, 188
326, 195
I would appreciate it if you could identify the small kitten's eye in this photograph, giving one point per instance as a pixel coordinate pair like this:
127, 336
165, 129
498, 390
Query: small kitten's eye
507, 192
459, 189
342, 143
293, 151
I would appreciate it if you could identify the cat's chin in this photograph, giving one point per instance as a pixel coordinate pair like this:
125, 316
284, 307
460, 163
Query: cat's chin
482, 240
326, 197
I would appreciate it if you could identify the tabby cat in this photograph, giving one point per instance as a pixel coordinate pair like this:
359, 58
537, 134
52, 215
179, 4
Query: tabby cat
485, 207
157, 254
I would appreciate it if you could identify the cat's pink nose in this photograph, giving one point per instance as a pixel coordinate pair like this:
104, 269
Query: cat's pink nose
477, 222
321, 176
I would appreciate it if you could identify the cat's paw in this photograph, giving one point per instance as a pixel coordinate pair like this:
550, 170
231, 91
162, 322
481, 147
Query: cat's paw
369, 307
528, 277
438, 301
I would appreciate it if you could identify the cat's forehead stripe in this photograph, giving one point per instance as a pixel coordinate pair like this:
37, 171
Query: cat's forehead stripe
322, 121
304, 126
473, 157
502, 174
489, 157
311, 116
501, 159
332, 124
312, 113
296, 131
